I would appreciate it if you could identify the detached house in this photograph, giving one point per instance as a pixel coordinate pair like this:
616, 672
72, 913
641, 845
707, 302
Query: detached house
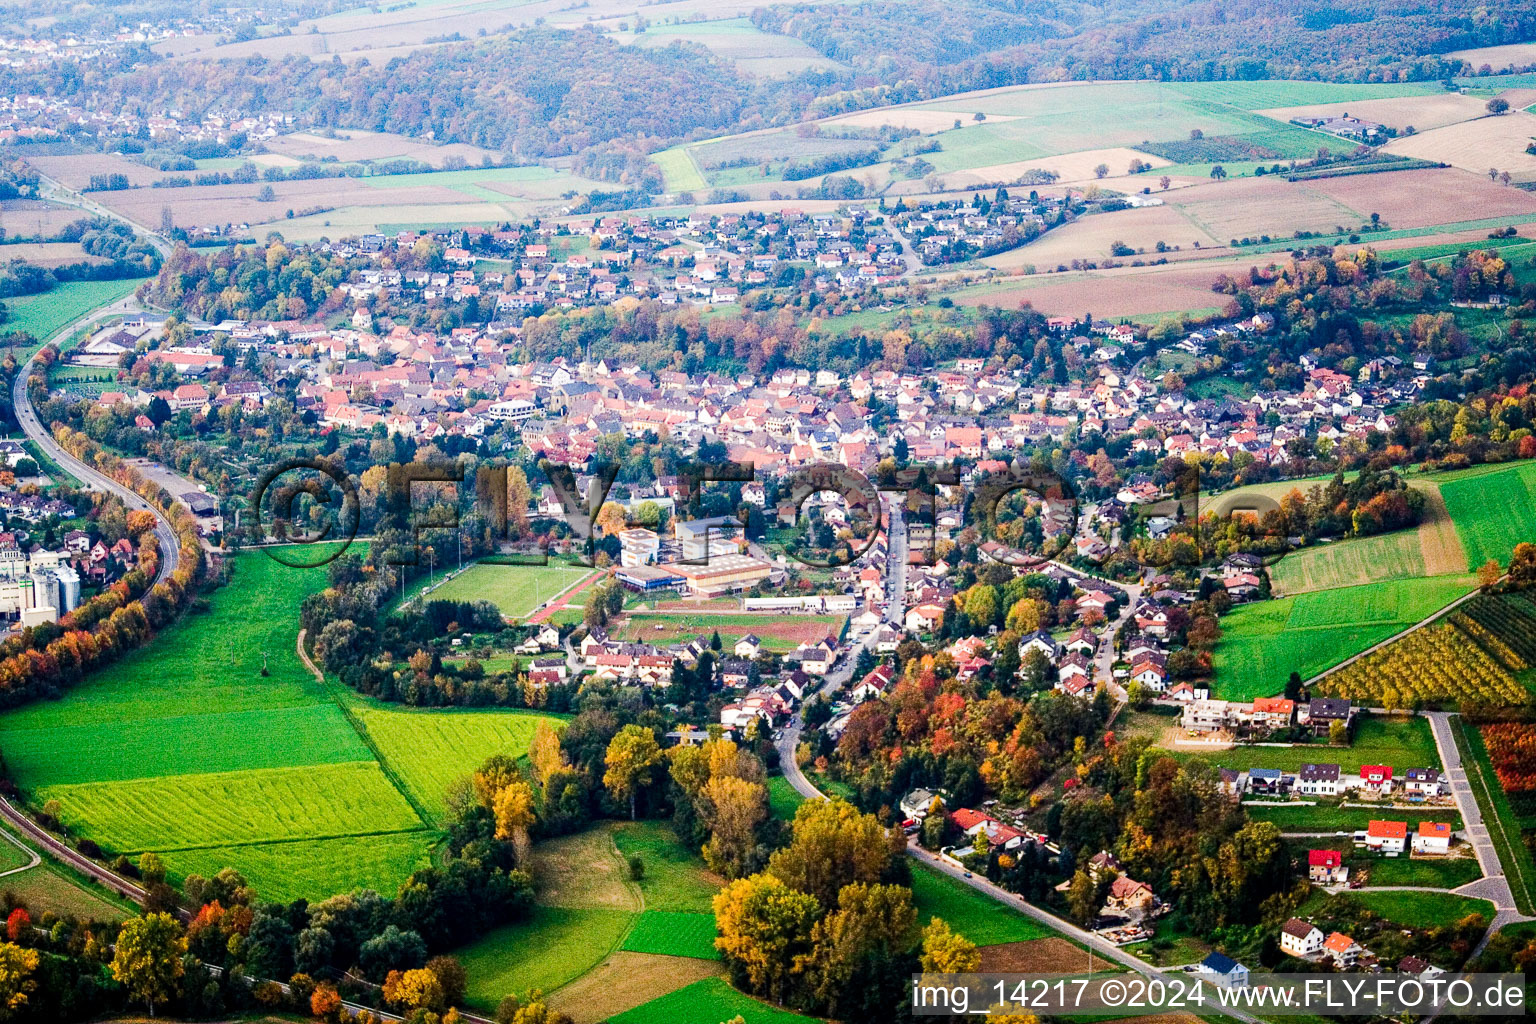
1432, 837
1326, 867
1300, 938
1388, 838
1319, 780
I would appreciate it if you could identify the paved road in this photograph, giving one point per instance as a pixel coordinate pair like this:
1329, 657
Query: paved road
170, 549
1493, 886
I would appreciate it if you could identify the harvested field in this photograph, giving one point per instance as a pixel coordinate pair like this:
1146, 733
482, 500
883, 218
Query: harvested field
740, 42
927, 121
1438, 540
1510, 55
1422, 112
36, 218
625, 980
1256, 206
350, 145
1478, 145
1129, 292
1073, 168
195, 205
1424, 198
583, 870
1035, 956
47, 254
75, 171
1090, 237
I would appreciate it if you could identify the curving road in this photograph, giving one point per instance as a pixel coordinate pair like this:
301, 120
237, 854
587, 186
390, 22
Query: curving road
170, 549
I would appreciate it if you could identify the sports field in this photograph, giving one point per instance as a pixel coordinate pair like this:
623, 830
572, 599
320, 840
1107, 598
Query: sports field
1263, 643
518, 590
1493, 510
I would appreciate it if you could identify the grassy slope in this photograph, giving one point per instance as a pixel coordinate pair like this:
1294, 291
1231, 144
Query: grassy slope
1262, 643
1493, 511
978, 917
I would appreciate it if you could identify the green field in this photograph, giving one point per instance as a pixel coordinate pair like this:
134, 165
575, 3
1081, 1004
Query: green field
1386, 556
554, 946
673, 934
517, 590
49, 887
711, 1000
678, 170
1401, 742
1493, 511
782, 798
429, 749
1263, 643
233, 741
1330, 818
313, 869
675, 877
184, 747
1444, 873
44, 315
973, 914
220, 809
1423, 909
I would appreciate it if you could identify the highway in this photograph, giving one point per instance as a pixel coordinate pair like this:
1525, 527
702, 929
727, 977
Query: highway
170, 549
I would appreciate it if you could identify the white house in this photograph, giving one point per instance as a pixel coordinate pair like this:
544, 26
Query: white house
1300, 938
1432, 837
1220, 969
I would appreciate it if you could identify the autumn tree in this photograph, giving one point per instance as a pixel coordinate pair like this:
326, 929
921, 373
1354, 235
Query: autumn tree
17, 967
147, 959
632, 758
544, 751
416, 989
832, 845
497, 773
764, 932
946, 951
513, 808
1489, 573
733, 809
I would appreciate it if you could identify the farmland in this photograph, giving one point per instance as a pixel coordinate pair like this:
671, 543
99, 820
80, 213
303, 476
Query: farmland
429, 749
1493, 511
312, 868
626, 980
518, 590
553, 947
44, 315
1263, 643
711, 999
221, 808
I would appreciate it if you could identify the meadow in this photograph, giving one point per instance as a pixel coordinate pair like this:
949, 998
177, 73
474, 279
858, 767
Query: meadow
1330, 818
1263, 643
779, 633
1423, 909
1404, 742
42, 316
518, 590
978, 917
554, 946
1386, 556
673, 933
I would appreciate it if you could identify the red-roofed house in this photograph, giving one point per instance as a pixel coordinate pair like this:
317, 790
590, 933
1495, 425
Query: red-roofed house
1432, 837
1326, 867
1387, 837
